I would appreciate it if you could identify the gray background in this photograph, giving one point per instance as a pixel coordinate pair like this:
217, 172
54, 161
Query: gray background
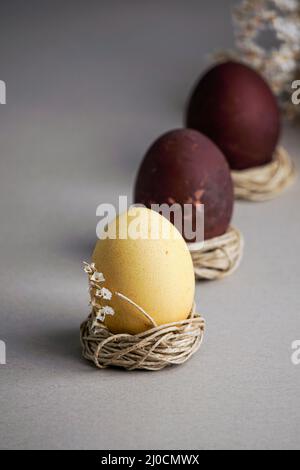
90, 85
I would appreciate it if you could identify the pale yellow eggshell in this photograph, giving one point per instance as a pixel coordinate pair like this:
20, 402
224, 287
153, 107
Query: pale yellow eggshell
156, 274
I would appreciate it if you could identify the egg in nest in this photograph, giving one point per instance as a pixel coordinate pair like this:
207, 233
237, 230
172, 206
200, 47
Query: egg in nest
184, 167
235, 107
144, 259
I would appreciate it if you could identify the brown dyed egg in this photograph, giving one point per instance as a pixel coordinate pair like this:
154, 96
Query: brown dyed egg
185, 167
236, 109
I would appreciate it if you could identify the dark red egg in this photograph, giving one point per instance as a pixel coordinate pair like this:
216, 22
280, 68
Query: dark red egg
234, 106
185, 167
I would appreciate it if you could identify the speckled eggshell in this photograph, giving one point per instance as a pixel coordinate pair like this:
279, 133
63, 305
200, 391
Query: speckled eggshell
156, 274
184, 166
234, 106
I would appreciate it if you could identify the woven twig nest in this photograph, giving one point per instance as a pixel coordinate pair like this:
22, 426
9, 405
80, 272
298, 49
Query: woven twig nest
219, 257
265, 182
154, 349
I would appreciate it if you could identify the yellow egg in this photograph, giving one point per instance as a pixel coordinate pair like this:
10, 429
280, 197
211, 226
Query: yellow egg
153, 269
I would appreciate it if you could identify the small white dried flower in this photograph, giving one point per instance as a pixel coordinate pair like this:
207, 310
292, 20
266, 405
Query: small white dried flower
103, 312
88, 268
103, 293
97, 277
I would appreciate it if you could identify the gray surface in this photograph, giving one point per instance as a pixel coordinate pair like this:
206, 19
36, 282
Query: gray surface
90, 85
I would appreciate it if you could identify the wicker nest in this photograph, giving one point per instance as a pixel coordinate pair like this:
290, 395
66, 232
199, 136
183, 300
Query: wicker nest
265, 182
154, 349
219, 257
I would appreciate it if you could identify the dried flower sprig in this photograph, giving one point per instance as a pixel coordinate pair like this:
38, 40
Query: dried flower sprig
99, 293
